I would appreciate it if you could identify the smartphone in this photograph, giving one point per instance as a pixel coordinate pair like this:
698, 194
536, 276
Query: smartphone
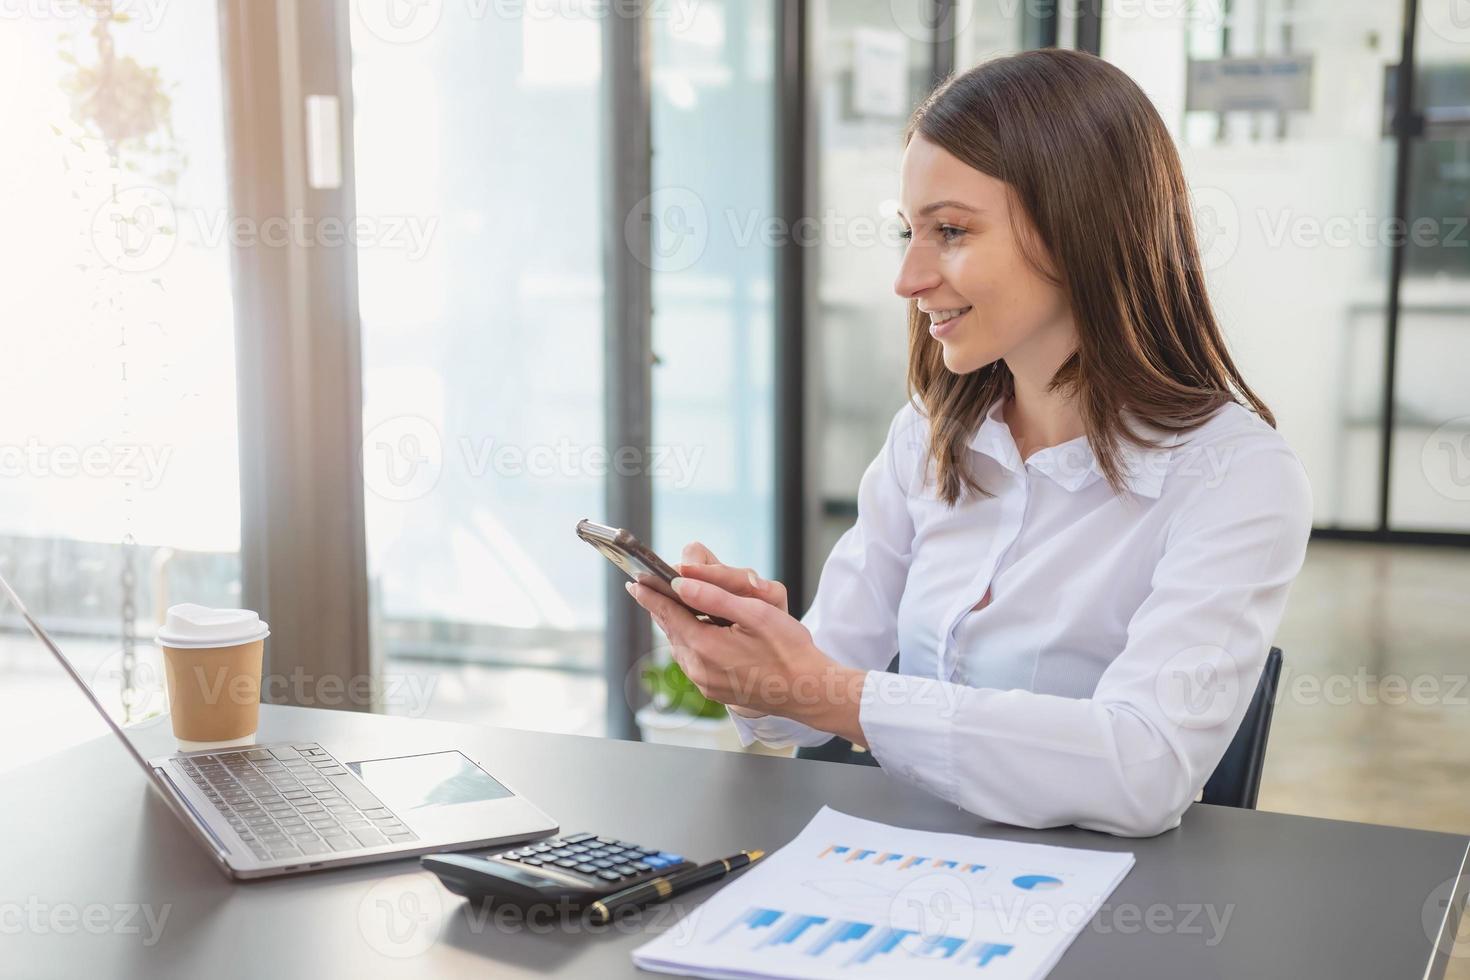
639, 562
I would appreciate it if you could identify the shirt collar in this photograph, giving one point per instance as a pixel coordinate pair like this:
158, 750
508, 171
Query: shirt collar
1073, 465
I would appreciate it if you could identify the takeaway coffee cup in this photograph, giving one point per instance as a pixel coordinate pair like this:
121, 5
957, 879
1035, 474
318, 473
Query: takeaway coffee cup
211, 660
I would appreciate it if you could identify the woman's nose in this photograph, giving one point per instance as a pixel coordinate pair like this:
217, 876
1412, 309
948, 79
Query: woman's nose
916, 273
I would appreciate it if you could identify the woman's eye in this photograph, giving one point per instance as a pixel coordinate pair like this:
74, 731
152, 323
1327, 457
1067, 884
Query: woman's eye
907, 234
950, 232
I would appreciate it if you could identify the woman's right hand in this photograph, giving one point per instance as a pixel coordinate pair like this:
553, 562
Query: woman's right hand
698, 562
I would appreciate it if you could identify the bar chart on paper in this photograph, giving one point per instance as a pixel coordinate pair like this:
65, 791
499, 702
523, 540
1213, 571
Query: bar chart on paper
851, 898
849, 942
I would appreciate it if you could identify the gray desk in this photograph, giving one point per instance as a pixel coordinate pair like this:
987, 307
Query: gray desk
1305, 898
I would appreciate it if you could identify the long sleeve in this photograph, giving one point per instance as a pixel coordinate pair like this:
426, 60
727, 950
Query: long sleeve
853, 617
1132, 757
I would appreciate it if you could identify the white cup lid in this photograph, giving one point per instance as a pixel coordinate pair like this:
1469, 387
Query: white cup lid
191, 627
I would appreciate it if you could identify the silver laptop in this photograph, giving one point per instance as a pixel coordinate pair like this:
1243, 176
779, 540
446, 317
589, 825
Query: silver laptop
288, 807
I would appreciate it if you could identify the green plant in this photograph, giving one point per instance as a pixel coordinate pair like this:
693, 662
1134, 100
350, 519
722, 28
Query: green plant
672, 690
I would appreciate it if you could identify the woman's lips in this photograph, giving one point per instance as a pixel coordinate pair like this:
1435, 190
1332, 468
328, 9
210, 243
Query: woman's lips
940, 330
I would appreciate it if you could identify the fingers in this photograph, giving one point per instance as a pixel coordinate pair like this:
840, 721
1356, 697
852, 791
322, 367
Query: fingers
696, 553
738, 581
672, 618
710, 598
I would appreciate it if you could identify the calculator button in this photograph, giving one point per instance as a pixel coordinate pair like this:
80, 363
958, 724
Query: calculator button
578, 838
609, 875
625, 870
671, 858
657, 861
587, 869
565, 863
641, 865
540, 848
532, 861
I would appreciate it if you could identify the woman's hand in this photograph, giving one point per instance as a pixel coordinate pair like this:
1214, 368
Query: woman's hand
766, 663
699, 562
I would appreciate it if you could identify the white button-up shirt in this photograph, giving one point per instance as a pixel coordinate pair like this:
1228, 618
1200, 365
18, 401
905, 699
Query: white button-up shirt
1067, 655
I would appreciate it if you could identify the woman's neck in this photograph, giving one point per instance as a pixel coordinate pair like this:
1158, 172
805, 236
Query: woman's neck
1037, 415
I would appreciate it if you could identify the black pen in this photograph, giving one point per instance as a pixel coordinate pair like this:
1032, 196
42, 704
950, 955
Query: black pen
666, 886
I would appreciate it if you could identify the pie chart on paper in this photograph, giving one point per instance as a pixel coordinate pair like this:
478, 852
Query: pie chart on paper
1036, 883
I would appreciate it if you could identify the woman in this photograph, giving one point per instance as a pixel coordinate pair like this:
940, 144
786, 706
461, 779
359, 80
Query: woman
1080, 532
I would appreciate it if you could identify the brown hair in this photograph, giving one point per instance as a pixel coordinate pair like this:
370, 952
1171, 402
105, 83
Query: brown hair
1089, 162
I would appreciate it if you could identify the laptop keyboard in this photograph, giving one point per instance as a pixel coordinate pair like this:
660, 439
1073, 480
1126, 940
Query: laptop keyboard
287, 801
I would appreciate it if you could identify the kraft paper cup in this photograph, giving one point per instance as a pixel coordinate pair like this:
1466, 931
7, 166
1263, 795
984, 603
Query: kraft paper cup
212, 662
214, 693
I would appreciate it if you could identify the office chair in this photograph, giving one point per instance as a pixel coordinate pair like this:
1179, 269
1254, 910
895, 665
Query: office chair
1235, 782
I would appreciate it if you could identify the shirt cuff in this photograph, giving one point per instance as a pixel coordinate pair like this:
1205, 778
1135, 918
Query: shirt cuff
776, 731
910, 729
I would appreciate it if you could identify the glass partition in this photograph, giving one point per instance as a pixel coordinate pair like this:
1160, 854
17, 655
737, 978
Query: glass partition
119, 466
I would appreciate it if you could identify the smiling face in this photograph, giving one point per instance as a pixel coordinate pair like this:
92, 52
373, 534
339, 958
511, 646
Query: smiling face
966, 269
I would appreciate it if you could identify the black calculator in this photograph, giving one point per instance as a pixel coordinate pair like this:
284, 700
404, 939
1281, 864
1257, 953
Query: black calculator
568, 872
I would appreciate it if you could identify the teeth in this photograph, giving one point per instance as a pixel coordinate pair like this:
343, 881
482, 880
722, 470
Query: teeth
939, 316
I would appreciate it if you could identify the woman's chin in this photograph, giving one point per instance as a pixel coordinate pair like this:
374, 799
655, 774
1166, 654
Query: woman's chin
962, 359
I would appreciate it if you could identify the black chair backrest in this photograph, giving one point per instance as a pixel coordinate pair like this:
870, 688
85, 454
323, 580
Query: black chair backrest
1235, 782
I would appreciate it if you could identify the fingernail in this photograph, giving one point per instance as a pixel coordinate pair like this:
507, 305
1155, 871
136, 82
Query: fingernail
678, 584
755, 580
629, 587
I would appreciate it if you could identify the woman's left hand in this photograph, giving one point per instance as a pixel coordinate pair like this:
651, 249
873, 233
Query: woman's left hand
766, 662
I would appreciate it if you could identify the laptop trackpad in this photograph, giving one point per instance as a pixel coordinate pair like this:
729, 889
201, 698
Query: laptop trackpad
412, 784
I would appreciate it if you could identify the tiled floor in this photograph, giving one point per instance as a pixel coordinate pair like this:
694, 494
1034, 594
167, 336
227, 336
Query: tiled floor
1372, 724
